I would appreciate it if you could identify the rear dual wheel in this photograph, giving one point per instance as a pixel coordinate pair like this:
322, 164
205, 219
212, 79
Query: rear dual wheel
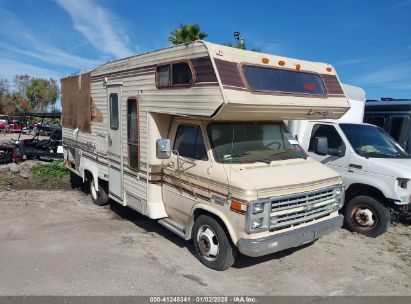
98, 194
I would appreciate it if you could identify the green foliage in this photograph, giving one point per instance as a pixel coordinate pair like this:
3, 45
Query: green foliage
42, 93
186, 33
4, 86
240, 45
54, 169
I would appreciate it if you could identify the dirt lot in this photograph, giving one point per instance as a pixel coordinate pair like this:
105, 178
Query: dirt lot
59, 243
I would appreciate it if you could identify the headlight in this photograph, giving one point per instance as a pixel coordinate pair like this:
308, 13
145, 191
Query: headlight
339, 196
258, 208
257, 223
402, 182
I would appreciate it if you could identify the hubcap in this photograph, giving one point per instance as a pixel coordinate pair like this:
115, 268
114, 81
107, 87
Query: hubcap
93, 189
365, 217
208, 243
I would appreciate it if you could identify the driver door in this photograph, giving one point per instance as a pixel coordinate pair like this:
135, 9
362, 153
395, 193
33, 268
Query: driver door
337, 158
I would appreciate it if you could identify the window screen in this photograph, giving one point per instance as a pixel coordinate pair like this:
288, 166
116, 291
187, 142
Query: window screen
284, 81
114, 122
335, 142
400, 129
189, 142
176, 74
164, 79
132, 133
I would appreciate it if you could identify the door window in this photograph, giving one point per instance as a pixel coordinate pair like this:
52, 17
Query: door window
189, 142
114, 122
132, 133
335, 142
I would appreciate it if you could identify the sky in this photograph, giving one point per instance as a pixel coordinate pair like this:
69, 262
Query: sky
368, 42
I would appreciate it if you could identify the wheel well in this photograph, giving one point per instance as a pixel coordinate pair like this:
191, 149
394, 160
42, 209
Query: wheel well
362, 189
200, 211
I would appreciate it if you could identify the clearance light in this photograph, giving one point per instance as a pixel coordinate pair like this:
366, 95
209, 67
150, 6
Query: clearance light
237, 206
281, 62
298, 66
265, 60
328, 69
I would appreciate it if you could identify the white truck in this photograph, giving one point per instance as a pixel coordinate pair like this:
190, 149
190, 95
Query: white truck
193, 136
375, 169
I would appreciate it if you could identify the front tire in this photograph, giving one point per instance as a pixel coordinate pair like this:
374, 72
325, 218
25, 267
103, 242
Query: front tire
98, 196
365, 215
213, 247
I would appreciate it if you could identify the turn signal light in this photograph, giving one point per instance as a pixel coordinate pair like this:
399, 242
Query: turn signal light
265, 60
237, 206
281, 62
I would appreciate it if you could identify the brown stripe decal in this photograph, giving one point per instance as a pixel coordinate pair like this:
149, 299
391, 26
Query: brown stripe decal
229, 73
332, 84
204, 70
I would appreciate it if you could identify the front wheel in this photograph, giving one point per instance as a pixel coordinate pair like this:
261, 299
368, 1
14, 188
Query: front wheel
214, 249
365, 215
98, 196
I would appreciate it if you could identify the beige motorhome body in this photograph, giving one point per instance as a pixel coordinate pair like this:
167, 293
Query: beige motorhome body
100, 106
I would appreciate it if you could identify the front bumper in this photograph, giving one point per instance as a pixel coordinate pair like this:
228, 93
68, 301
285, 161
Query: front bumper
289, 239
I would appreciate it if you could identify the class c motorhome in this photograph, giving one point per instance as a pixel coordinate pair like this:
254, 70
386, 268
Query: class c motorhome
374, 167
193, 136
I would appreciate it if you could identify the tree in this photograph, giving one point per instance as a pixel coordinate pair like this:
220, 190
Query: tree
186, 33
42, 93
4, 86
13, 104
21, 82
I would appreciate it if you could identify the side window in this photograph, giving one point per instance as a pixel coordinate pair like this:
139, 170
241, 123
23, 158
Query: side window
400, 129
378, 121
132, 133
335, 142
189, 142
174, 75
114, 112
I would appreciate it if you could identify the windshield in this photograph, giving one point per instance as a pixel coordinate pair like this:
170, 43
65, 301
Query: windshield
372, 141
251, 142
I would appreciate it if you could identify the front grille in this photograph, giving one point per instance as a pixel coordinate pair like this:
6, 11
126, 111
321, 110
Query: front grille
301, 208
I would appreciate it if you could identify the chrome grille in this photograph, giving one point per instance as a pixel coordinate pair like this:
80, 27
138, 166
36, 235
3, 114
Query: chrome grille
303, 207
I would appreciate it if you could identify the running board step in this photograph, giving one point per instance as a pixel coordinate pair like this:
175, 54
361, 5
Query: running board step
173, 226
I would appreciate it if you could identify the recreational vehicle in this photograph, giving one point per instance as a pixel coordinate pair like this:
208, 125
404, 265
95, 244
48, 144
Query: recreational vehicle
193, 136
392, 115
374, 167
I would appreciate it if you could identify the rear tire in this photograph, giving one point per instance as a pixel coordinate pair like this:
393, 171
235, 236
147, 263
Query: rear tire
98, 196
365, 215
213, 247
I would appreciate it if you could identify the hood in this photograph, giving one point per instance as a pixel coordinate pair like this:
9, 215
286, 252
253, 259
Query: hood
287, 174
395, 167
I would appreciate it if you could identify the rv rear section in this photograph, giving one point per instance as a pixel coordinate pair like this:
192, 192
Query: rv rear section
193, 136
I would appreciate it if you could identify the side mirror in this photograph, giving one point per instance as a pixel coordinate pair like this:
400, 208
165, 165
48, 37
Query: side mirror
321, 145
163, 148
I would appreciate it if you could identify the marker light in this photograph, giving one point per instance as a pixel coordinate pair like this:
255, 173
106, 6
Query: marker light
328, 69
237, 206
281, 62
265, 60
298, 66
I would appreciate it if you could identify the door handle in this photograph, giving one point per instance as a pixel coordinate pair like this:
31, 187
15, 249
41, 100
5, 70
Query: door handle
354, 166
109, 140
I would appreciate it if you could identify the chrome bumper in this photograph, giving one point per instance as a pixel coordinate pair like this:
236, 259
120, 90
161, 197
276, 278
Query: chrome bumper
289, 239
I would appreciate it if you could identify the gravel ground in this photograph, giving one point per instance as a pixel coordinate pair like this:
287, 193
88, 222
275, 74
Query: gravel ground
59, 243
